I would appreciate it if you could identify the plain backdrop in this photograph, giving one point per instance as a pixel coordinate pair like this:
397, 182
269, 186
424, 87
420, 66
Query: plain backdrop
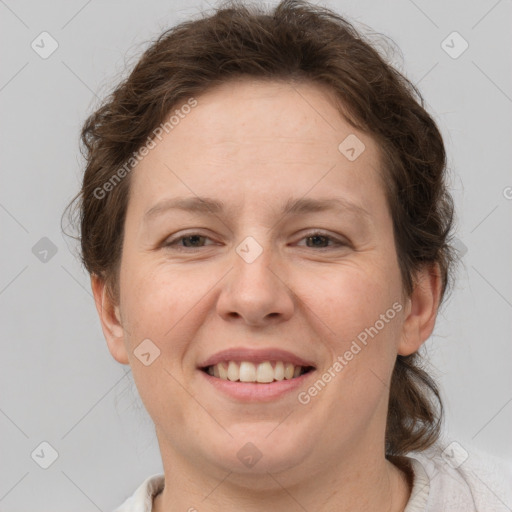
59, 385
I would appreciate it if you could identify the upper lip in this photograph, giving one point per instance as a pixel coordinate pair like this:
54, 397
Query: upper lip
255, 356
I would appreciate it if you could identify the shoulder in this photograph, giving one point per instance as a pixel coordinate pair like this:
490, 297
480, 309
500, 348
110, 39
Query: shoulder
142, 499
453, 477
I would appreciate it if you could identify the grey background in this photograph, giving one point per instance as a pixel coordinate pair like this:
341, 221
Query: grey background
58, 382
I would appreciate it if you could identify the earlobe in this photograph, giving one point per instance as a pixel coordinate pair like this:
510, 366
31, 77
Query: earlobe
110, 320
421, 311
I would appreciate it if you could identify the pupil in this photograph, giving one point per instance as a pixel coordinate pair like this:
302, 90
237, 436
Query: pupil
316, 237
189, 238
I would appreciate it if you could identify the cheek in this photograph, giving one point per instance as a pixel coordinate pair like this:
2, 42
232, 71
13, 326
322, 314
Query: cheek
361, 325
154, 308
152, 302
353, 298
362, 317
168, 306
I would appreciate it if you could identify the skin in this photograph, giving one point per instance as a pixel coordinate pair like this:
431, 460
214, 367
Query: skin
254, 145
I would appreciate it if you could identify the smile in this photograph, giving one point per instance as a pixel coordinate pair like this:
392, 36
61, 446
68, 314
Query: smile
256, 375
263, 373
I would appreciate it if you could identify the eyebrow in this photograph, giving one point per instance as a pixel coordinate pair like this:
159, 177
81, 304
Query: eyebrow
299, 206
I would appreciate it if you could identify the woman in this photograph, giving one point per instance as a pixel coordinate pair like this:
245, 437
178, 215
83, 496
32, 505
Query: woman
266, 223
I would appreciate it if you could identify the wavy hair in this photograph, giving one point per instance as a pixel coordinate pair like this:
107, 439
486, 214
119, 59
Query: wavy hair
295, 41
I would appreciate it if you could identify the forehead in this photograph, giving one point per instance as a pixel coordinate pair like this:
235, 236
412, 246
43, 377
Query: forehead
244, 113
258, 139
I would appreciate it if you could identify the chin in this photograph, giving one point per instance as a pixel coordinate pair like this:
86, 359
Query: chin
258, 449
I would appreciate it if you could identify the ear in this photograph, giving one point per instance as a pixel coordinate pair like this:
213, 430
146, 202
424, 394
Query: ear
110, 320
421, 310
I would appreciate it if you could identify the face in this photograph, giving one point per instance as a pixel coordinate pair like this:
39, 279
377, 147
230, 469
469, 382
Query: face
293, 263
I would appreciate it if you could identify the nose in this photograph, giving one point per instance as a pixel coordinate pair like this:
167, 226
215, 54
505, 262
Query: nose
256, 293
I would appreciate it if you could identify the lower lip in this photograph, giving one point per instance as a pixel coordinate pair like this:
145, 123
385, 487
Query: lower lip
257, 392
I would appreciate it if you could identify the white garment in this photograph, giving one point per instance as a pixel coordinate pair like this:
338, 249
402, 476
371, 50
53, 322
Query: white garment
479, 484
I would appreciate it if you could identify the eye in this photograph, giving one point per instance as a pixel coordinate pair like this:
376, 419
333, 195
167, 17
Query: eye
318, 238
191, 241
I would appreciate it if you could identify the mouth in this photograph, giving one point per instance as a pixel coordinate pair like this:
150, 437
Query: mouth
250, 375
265, 372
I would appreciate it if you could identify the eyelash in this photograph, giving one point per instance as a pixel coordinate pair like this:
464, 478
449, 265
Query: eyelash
172, 244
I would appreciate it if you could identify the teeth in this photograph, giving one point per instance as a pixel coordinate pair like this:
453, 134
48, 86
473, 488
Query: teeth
233, 371
265, 372
279, 371
246, 371
223, 371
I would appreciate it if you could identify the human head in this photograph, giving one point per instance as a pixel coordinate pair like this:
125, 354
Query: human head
297, 44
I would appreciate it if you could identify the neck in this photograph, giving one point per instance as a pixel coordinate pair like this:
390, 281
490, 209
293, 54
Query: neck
355, 484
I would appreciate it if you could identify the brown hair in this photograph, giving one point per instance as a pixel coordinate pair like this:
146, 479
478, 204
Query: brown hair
296, 41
